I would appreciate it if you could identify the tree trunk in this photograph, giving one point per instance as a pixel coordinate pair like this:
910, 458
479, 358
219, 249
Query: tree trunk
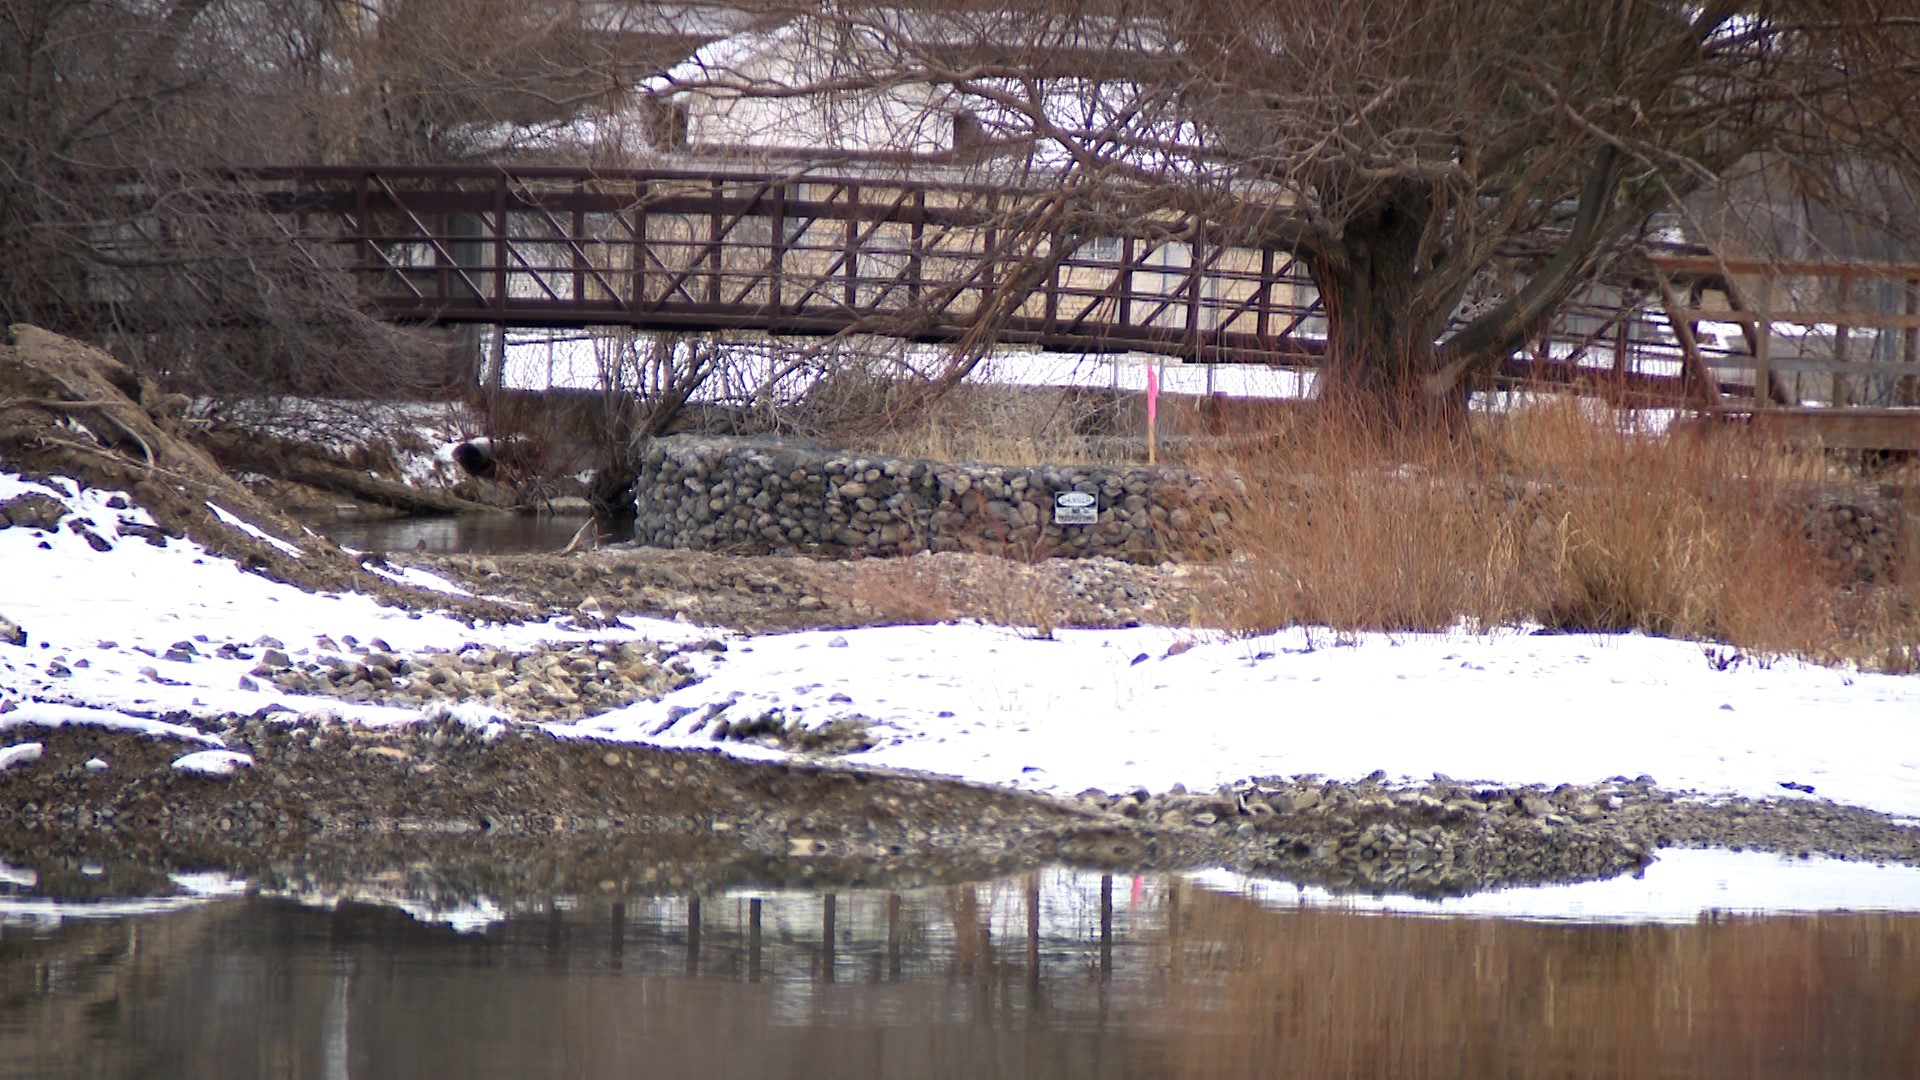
1380, 354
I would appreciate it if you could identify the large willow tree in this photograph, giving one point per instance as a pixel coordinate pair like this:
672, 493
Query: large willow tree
1404, 149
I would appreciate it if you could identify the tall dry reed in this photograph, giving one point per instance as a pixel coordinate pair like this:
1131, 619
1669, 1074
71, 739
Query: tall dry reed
1555, 514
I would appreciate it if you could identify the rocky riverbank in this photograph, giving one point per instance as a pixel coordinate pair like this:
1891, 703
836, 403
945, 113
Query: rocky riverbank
760, 593
223, 756
1448, 837
453, 805
540, 684
460, 806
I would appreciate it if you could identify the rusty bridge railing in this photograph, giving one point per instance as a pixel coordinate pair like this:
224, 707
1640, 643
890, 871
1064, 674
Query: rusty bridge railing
811, 253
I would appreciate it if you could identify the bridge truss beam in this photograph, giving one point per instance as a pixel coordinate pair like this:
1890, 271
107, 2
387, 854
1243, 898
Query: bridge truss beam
889, 253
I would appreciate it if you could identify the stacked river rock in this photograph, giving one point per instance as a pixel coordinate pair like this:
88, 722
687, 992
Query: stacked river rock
1860, 534
764, 497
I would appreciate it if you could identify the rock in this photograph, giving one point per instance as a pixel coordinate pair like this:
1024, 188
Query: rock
32, 511
1295, 802
19, 754
94, 540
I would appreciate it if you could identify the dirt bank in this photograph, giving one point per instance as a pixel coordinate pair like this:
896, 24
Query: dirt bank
68, 410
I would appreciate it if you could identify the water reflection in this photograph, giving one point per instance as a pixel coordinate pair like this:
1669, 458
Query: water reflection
1048, 975
479, 534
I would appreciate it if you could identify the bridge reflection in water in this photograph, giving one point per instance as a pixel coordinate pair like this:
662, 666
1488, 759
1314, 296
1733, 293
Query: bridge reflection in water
1053, 975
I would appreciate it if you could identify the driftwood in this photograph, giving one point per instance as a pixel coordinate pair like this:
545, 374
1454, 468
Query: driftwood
586, 538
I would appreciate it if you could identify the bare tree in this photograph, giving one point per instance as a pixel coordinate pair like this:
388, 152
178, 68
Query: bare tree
123, 122
1404, 150
119, 125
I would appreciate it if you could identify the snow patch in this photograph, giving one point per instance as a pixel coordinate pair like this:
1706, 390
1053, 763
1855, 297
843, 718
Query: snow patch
208, 884
46, 715
416, 578
485, 719
19, 754
109, 618
213, 762
255, 531
987, 704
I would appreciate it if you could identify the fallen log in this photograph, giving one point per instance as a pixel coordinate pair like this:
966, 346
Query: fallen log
252, 453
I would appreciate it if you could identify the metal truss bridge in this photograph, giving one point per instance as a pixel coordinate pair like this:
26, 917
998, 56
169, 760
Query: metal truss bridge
741, 250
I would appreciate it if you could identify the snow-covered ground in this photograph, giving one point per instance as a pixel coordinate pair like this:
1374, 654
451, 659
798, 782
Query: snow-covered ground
100, 625
1150, 707
419, 435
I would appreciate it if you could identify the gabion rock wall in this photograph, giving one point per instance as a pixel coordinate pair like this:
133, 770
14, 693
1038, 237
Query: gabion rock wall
766, 497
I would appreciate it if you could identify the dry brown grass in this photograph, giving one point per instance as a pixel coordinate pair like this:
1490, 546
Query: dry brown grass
1550, 514
904, 591
1005, 425
1019, 594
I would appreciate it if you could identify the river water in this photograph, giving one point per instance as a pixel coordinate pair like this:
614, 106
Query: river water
1053, 975
467, 534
